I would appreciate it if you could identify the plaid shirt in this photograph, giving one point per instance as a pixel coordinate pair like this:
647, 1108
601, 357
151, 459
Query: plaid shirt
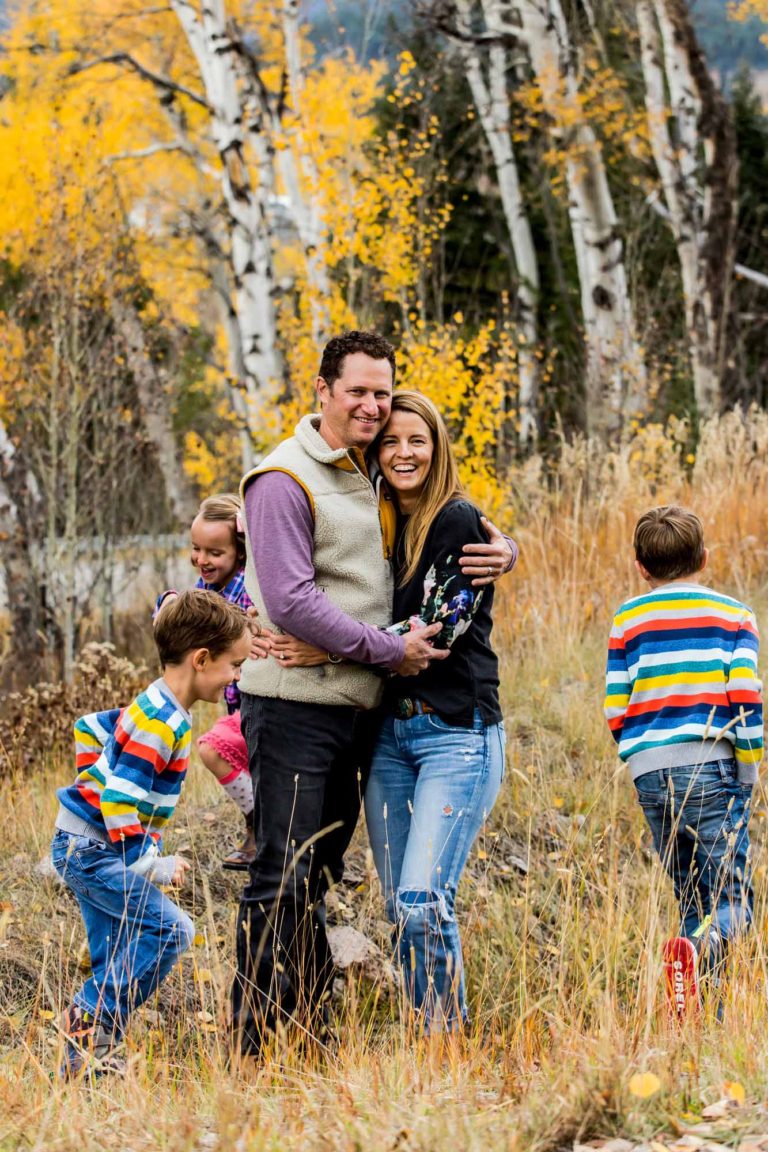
233, 591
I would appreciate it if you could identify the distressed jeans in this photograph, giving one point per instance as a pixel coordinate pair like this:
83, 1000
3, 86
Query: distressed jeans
698, 816
431, 789
135, 933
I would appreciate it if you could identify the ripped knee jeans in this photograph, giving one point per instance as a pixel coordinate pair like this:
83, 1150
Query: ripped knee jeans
432, 786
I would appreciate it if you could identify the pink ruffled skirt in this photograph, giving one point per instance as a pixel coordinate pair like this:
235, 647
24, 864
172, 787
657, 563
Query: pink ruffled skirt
226, 738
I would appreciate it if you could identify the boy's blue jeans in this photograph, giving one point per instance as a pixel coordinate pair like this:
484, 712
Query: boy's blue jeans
135, 933
698, 815
431, 788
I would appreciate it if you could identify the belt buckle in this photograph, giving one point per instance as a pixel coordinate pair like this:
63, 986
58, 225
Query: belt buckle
406, 708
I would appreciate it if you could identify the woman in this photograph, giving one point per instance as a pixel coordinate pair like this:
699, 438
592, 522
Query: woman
439, 760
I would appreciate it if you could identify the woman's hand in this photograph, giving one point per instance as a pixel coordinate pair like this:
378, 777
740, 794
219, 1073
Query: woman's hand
295, 653
487, 562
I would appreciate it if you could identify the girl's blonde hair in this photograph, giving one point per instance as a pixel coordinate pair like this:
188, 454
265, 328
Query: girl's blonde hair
442, 484
226, 506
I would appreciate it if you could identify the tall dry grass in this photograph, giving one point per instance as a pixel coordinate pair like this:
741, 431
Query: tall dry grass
563, 908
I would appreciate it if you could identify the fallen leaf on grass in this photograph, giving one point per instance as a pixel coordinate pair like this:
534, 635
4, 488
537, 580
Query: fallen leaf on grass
720, 1108
657, 1146
46, 1014
644, 1084
734, 1091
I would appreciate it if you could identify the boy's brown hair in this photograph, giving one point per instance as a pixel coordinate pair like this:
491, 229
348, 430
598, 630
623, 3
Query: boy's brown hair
197, 619
669, 542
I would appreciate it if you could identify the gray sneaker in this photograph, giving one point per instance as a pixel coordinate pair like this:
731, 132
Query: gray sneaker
90, 1047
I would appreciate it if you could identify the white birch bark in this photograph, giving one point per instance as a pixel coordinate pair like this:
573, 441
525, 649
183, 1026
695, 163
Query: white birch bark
233, 122
17, 489
153, 391
302, 179
489, 93
698, 203
616, 377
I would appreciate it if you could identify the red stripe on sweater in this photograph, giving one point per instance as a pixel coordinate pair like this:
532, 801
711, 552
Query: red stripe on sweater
676, 702
680, 624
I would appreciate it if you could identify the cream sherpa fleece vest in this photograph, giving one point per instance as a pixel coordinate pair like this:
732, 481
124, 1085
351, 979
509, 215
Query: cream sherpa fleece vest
351, 567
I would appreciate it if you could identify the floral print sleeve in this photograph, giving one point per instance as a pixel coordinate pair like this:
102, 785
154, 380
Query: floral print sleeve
449, 599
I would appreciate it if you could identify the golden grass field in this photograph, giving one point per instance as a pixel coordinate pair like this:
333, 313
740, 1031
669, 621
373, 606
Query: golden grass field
563, 906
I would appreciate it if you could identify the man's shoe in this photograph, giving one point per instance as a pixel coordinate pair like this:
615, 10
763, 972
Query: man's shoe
90, 1047
681, 972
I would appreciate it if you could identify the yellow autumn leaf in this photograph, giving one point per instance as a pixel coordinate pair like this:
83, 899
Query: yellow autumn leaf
205, 976
482, 855
46, 1014
199, 940
644, 1084
734, 1091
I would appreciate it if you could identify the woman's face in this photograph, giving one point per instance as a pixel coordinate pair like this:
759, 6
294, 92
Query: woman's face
405, 456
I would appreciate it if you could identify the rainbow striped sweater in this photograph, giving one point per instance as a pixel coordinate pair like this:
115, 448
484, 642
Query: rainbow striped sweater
682, 670
131, 765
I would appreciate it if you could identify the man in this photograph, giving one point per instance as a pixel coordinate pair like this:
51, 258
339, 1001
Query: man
318, 566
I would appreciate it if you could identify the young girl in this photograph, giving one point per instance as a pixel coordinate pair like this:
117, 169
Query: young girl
218, 554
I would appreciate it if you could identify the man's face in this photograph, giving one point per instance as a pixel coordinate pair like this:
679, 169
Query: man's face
357, 405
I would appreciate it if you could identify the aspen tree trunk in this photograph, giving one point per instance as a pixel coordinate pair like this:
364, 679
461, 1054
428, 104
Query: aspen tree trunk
302, 181
18, 494
694, 151
66, 544
237, 396
489, 92
153, 391
234, 121
616, 378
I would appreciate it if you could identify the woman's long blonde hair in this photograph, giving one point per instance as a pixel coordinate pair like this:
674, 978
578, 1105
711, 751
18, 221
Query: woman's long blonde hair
442, 483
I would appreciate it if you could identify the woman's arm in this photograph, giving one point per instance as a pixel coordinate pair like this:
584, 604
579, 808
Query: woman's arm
450, 595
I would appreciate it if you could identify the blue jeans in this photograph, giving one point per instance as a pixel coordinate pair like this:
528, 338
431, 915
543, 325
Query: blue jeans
698, 816
431, 788
135, 933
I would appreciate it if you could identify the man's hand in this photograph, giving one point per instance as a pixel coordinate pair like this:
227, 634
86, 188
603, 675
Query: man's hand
419, 651
261, 638
487, 562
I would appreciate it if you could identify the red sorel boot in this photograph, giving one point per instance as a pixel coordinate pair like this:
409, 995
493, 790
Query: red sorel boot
682, 978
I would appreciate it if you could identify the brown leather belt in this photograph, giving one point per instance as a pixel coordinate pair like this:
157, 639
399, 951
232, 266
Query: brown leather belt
406, 708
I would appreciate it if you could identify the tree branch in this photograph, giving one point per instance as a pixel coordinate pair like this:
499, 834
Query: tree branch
653, 201
159, 81
150, 150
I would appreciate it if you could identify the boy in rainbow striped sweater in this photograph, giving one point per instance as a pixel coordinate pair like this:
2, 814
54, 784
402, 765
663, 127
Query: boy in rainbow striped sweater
684, 704
131, 766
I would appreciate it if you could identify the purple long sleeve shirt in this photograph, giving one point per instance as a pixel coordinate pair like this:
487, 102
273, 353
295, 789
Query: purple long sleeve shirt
280, 526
